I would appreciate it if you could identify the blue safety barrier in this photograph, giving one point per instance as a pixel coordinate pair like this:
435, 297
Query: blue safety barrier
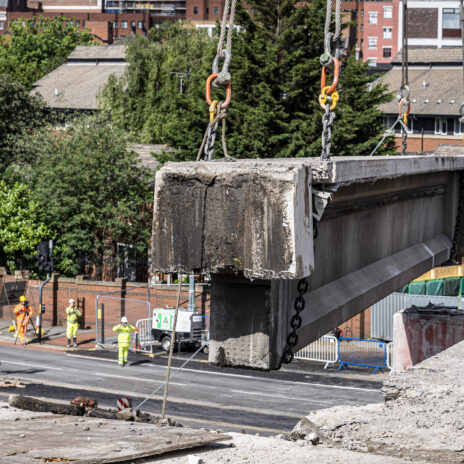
359, 352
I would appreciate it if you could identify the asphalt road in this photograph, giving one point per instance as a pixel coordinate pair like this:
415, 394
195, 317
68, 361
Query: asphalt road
201, 395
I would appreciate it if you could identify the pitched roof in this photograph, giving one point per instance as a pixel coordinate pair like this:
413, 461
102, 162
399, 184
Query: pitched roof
431, 55
77, 83
435, 91
98, 52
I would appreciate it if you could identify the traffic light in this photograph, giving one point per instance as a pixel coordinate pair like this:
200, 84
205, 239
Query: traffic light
45, 262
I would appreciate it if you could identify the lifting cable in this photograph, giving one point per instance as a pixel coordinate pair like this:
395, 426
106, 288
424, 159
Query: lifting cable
461, 106
404, 105
217, 109
328, 97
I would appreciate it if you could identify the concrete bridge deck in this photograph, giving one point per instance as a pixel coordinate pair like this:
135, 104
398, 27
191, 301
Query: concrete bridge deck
358, 228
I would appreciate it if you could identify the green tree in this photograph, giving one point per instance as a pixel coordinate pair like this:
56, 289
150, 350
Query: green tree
20, 113
34, 47
92, 194
275, 87
20, 228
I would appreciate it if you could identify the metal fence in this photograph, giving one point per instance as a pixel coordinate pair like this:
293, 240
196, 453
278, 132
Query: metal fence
108, 312
143, 342
358, 352
382, 312
324, 350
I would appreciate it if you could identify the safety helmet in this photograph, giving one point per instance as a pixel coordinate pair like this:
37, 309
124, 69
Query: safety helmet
71, 301
124, 320
22, 298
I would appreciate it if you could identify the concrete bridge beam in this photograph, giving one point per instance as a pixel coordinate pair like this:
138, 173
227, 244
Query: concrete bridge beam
358, 228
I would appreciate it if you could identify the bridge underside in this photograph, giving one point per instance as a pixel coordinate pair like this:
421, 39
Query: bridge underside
358, 228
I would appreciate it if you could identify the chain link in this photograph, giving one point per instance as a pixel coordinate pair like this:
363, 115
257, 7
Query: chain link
457, 227
327, 120
295, 322
404, 136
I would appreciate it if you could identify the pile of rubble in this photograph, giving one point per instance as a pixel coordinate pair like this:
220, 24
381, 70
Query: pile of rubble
422, 418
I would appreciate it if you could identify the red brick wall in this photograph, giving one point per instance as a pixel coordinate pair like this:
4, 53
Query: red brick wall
59, 290
358, 326
430, 142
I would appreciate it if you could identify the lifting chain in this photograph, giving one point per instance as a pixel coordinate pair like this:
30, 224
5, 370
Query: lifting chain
328, 97
295, 322
457, 227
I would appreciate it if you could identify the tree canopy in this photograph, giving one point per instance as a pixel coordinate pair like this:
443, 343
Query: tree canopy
20, 228
34, 47
275, 86
92, 193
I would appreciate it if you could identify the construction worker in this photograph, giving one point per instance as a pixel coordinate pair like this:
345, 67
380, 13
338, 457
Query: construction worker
124, 330
23, 314
72, 315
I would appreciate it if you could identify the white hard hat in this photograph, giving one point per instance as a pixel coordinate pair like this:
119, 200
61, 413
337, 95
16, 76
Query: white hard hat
71, 301
124, 320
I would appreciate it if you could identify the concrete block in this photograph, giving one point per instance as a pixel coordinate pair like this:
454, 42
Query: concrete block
245, 216
420, 333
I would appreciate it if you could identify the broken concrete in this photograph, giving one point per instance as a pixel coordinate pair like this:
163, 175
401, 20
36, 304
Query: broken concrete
422, 418
87, 440
378, 224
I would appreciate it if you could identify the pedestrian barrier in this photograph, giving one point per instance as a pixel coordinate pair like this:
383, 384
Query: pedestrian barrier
323, 350
143, 342
358, 352
123, 403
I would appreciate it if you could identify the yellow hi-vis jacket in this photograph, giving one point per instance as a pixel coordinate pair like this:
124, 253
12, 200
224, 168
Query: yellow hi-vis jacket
72, 313
123, 333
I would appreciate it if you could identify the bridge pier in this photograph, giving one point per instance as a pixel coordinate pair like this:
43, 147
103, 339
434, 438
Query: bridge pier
357, 228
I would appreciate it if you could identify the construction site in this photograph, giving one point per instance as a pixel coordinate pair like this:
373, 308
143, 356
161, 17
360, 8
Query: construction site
240, 309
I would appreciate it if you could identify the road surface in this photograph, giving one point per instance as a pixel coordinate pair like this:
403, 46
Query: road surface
200, 396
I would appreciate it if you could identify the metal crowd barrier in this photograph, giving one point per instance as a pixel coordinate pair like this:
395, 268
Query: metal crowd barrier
389, 356
143, 342
323, 350
358, 352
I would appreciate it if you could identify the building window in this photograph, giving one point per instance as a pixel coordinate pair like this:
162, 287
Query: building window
2, 25
388, 12
451, 26
195, 10
362, 27
115, 25
372, 17
441, 126
387, 52
78, 23
132, 24
372, 62
372, 43
216, 10
458, 127
387, 33
362, 13
141, 24
124, 24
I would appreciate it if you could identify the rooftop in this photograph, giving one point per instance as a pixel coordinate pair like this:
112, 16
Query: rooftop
429, 56
77, 83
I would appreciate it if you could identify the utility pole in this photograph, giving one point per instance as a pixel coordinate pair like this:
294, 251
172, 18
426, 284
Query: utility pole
181, 76
461, 106
45, 249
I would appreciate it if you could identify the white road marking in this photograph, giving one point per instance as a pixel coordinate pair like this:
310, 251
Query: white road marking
16, 363
91, 357
138, 379
311, 384
284, 397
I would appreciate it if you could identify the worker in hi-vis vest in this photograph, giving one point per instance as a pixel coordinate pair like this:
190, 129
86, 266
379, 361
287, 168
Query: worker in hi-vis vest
23, 315
124, 330
72, 315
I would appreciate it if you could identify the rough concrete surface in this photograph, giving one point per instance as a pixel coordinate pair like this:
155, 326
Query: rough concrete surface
422, 419
29, 437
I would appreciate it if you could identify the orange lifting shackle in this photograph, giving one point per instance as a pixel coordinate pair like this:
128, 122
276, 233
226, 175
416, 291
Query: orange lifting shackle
209, 81
335, 79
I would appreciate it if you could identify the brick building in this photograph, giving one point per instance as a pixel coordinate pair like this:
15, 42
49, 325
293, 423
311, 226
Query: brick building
436, 84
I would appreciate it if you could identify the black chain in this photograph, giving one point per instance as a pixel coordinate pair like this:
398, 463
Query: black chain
327, 120
457, 227
295, 322
405, 141
210, 139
